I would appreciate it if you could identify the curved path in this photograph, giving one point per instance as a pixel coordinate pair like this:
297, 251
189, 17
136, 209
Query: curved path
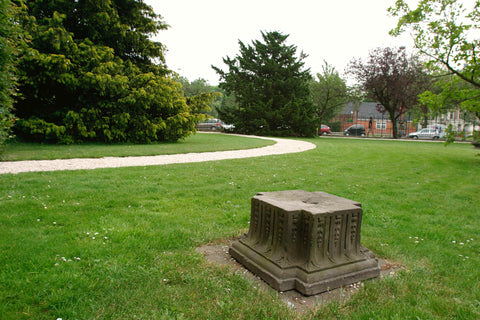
282, 146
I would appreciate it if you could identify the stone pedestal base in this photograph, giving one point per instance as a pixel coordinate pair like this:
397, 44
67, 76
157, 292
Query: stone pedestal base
307, 241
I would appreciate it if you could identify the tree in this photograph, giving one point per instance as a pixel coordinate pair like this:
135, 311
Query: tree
270, 87
392, 79
91, 73
449, 93
201, 97
226, 107
195, 87
444, 32
356, 96
329, 93
8, 31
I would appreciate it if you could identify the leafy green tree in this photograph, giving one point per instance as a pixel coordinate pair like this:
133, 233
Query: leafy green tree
391, 78
449, 93
8, 31
201, 97
329, 93
195, 87
444, 32
91, 73
271, 88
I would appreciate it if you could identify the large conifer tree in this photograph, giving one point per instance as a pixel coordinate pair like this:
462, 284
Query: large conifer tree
271, 87
91, 73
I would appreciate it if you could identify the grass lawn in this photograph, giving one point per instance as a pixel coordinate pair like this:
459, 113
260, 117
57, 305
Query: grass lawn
200, 142
120, 243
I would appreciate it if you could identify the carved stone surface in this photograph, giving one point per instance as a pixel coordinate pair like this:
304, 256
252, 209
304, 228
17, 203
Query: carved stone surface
308, 241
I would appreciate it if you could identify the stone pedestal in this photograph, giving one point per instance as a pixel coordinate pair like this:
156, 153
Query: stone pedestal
308, 241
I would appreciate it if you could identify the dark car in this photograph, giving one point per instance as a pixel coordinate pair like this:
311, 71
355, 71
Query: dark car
355, 130
324, 130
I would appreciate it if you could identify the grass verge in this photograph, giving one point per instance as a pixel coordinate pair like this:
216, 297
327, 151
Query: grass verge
120, 243
200, 142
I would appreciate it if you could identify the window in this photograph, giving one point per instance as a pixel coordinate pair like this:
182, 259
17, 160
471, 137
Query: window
381, 125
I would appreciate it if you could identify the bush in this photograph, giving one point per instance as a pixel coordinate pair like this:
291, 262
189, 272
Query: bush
38, 130
87, 83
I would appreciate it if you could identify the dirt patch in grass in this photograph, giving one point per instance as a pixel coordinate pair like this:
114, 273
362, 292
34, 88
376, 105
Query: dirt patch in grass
217, 254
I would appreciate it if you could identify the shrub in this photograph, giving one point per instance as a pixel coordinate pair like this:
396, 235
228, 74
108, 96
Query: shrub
38, 130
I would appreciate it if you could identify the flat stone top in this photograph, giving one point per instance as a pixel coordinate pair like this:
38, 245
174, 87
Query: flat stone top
313, 202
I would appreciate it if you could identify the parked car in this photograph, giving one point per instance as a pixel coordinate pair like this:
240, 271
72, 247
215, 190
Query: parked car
427, 133
213, 125
355, 130
324, 129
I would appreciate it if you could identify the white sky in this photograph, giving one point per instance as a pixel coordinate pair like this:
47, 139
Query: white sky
201, 33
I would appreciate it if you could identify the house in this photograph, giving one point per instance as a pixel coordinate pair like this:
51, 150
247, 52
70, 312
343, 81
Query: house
460, 121
382, 126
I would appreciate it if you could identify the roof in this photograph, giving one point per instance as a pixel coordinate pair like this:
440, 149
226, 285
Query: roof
367, 110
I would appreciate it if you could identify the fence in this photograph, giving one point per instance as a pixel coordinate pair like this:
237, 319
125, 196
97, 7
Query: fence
382, 126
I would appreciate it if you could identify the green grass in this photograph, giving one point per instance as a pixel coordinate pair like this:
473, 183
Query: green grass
200, 142
135, 231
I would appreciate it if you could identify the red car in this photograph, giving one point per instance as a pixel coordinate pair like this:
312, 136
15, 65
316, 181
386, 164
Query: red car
324, 130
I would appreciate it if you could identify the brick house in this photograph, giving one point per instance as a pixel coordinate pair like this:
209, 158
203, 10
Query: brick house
382, 126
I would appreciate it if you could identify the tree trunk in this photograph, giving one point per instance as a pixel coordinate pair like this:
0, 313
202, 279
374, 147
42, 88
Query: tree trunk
393, 119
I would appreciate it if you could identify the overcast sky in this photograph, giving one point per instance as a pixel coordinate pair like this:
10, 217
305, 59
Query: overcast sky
201, 33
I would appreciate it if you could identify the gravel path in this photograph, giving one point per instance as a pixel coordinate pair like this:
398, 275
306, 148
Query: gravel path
282, 146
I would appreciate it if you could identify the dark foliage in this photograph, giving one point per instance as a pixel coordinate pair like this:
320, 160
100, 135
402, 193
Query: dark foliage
270, 88
89, 72
391, 78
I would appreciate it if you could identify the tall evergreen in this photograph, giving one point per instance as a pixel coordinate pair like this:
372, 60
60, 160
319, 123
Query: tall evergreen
271, 88
91, 73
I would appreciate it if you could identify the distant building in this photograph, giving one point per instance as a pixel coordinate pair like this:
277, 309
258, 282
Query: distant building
459, 121
382, 126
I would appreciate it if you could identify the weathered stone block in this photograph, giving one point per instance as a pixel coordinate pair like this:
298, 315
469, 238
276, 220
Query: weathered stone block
308, 241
